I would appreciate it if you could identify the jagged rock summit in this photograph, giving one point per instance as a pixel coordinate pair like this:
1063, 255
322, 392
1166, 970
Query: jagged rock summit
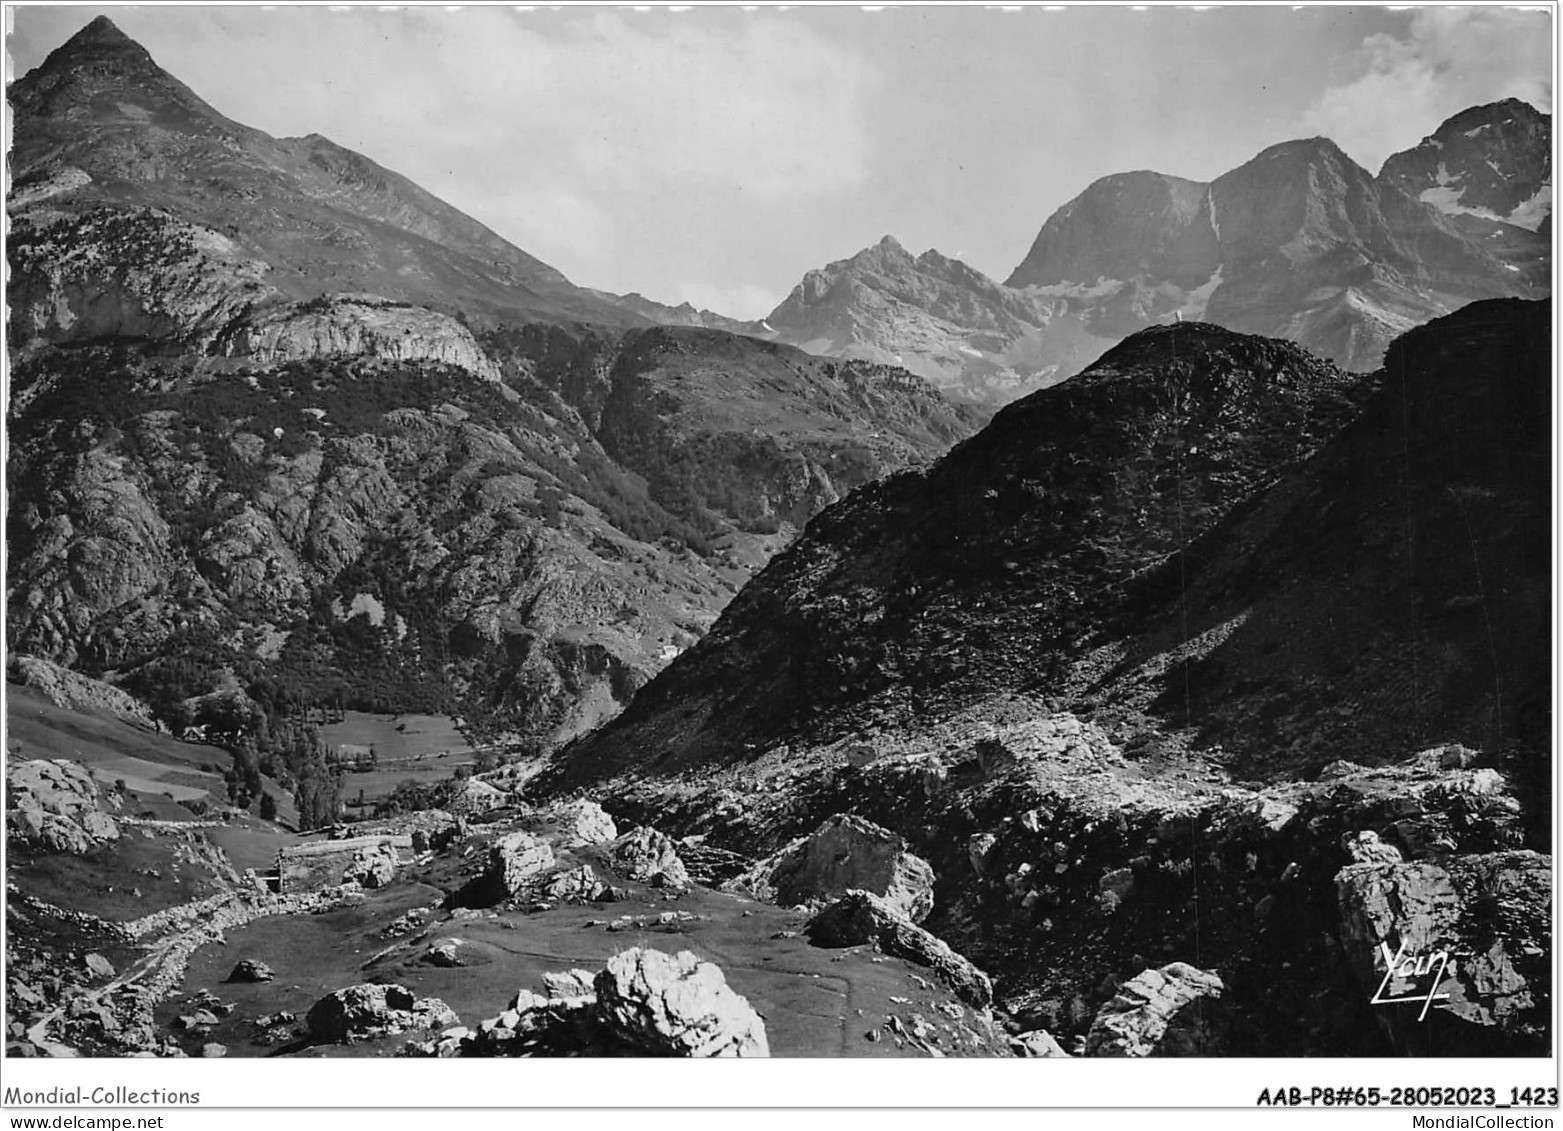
938, 317
1300, 243
1492, 161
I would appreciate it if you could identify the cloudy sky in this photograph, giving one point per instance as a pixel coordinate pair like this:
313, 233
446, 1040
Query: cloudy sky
715, 154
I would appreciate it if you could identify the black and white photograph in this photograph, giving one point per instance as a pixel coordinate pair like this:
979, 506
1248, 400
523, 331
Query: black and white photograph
898, 534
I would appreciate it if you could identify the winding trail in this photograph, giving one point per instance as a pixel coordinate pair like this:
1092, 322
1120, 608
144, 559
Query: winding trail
163, 966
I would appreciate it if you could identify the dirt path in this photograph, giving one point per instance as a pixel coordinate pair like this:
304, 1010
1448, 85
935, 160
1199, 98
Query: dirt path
163, 966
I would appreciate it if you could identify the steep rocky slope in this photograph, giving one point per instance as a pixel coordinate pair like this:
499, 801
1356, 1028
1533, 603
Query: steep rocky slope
262, 381
989, 570
533, 563
100, 126
1202, 656
1191, 497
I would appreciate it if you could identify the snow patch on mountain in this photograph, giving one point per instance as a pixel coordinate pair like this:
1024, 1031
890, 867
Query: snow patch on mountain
1532, 212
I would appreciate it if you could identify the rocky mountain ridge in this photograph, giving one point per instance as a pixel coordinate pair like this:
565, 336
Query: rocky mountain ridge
322, 378
1300, 243
555, 558
1492, 161
1035, 557
1148, 671
99, 125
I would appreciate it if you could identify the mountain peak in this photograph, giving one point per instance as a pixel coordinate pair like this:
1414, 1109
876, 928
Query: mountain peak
100, 41
1511, 107
1304, 149
1492, 162
887, 252
101, 30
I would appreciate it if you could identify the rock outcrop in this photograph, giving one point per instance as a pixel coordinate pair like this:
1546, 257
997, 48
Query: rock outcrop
1157, 1013
861, 917
647, 856
359, 326
675, 1004
53, 805
1492, 161
372, 866
65, 688
368, 1010
1462, 945
251, 970
574, 885
644, 1003
516, 862
846, 853
582, 822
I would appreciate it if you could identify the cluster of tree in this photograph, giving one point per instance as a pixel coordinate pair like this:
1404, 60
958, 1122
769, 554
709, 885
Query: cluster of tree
410, 796
291, 754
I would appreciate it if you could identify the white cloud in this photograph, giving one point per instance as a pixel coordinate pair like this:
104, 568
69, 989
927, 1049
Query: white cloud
1448, 60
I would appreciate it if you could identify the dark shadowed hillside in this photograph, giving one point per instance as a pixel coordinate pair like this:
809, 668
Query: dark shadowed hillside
1210, 655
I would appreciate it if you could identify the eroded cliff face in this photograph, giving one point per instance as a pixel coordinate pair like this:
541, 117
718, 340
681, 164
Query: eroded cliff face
125, 273
359, 326
141, 274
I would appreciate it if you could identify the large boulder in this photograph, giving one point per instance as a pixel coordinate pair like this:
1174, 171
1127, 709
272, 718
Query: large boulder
675, 1005
582, 822
1156, 1013
861, 917
367, 1010
1476, 928
644, 1003
517, 862
251, 970
54, 806
516, 868
1037, 1043
646, 855
844, 854
574, 885
372, 866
